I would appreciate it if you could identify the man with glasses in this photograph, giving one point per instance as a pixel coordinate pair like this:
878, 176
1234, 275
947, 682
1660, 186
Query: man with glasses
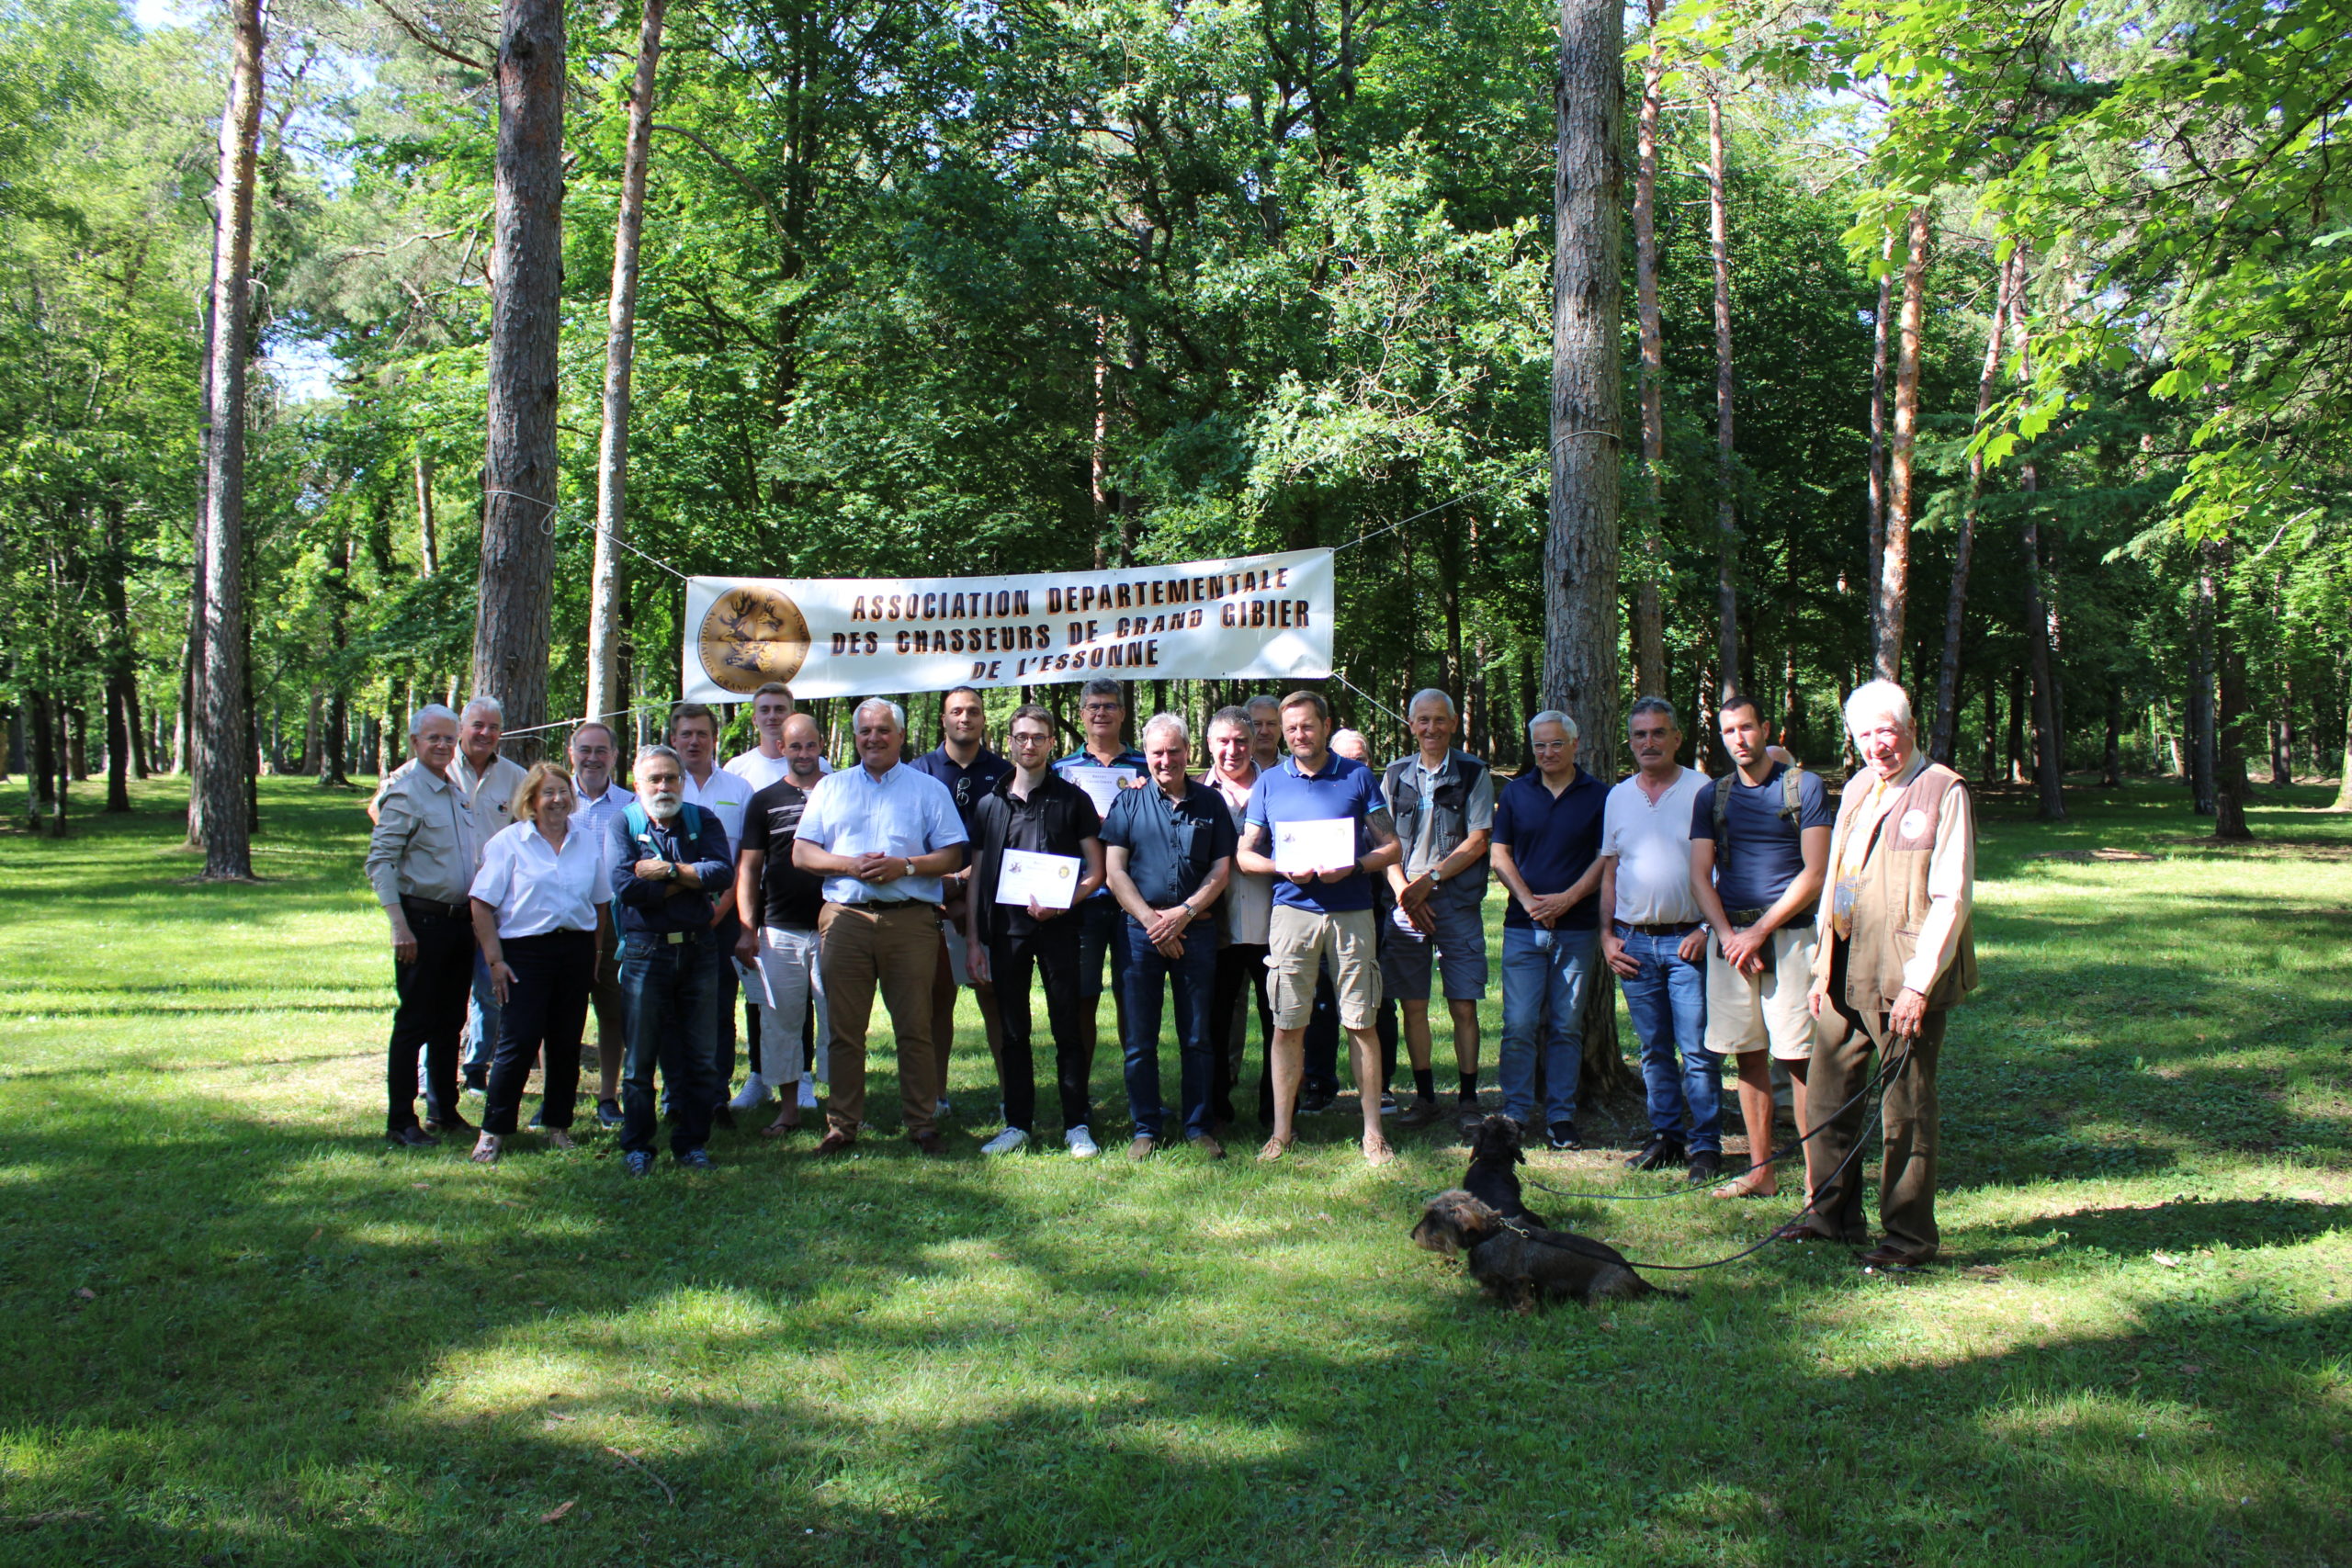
962, 761
602, 798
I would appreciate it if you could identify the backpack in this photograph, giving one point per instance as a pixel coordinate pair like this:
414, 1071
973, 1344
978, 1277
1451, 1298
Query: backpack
1791, 809
641, 825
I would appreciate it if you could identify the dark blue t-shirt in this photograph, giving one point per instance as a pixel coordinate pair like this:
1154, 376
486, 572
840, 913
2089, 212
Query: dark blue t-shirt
1766, 851
1172, 845
1553, 839
966, 784
1342, 787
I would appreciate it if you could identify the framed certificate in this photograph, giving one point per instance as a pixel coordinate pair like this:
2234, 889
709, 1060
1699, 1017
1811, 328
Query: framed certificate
1317, 844
1024, 874
1102, 785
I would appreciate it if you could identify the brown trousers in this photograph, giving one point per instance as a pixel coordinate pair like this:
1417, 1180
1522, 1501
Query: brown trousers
1907, 1187
896, 948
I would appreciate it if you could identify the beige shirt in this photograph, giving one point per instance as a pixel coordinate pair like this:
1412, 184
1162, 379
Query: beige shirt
427, 843
490, 794
1248, 895
1951, 870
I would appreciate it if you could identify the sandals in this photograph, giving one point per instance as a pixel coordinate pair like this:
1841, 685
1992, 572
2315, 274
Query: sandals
486, 1149
1745, 1187
781, 1127
1274, 1148
1376, 1152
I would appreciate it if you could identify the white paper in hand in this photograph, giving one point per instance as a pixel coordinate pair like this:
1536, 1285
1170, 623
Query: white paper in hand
1318, 843
1102, 785
1026, 875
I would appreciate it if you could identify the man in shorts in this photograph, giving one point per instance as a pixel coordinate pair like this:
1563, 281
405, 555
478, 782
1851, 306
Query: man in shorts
1442, 802
1339, 839
1760, 846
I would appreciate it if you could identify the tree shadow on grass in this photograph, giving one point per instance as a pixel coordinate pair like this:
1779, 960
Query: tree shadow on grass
299, 1350
2182, 1225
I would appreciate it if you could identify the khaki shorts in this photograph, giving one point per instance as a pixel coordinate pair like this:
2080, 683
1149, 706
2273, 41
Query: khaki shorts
1297, 941
1745, 1014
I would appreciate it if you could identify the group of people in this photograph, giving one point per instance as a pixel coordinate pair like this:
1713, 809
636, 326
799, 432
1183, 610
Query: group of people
1741, 917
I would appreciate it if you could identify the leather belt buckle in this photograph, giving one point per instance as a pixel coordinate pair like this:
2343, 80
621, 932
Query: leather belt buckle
674, 937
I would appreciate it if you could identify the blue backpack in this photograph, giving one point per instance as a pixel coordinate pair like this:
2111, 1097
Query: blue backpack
640, 825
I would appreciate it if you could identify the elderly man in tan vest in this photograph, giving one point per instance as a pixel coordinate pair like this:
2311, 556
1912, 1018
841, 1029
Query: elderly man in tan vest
1896, 956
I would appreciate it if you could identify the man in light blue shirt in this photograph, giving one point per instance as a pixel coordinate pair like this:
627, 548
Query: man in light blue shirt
881, 836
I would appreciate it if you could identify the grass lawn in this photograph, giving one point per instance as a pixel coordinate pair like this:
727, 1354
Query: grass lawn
239, 1329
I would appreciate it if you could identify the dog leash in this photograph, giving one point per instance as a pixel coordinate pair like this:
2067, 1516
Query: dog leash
1885, 1074
1893, 1067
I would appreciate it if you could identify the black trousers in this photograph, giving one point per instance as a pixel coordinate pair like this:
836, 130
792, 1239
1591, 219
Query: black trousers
432, 1012
1052, 950
546, 1006
1240, 967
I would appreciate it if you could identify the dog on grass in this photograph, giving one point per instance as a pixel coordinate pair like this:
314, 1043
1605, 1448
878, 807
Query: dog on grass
1526, 1265
1493, 1176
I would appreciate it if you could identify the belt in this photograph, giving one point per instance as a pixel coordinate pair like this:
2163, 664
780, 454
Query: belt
1741, 919
1660, 928
892, 906
663, 938
416, 906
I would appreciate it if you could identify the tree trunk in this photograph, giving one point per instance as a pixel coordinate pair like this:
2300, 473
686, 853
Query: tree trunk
1580, 548
2230, 726
605, 589
335, 720
2282, 727
121, 684
1894, 569
45, 817
511, 629
2048, 755
223, 730
428, 539
2200, 691
1989, 768
1947, 729
192, 663
1727, 659
1649, 611
1876, 498
2110, 762
2343, 801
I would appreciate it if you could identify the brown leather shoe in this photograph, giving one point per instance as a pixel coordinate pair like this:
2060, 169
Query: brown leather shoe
1799, 1230
1206, 1147
1142, 1146
931, 1144
834, 1142
1893, 1259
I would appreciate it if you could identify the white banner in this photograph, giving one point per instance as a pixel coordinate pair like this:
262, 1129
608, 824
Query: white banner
1251, 617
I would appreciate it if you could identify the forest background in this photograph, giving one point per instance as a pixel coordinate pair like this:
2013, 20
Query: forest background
2000, 347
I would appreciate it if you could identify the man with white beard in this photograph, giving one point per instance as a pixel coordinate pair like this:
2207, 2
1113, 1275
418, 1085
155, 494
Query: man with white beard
670, 864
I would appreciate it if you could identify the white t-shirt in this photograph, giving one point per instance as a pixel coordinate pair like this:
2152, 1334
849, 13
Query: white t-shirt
536, 888
1651, 843
760, 772
725, 797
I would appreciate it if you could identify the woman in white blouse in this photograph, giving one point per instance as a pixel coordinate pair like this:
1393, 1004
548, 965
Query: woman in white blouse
540, 901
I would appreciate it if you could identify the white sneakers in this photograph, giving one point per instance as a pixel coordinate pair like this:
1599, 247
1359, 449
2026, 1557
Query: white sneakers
755, 1094
808, 1094
1082, 1142
1006, 1142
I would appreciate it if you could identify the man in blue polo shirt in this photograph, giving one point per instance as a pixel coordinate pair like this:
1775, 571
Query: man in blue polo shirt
1104, 765
1547, 852
1319, 826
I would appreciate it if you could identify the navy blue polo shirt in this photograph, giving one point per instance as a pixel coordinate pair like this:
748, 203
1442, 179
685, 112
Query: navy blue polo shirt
1172, 845
1342, 787
966, 784
1553, 839
1766, 849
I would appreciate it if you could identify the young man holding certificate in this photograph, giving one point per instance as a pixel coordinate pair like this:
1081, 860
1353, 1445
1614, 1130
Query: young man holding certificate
1168, 850
1318, 825
1038, 854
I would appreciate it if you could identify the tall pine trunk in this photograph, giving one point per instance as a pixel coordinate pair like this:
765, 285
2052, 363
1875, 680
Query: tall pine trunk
1902, 504
224, 754
428, 540
1727, 506
2231, 724
1963, 547
605, 588
123, 683
511, 624
1876, 498
335, 720
1649, 609
1580, 546
2200, 691
2048, 743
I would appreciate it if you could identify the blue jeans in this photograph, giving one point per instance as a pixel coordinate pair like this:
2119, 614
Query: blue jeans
1194, 979
1545, 975
1668, 1001
483, 1018
670, 993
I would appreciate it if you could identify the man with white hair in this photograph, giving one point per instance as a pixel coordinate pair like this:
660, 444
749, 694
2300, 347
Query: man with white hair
488, 781
671, 866
420, 862
1896, 954
1547, 852
1443, 800
882, 835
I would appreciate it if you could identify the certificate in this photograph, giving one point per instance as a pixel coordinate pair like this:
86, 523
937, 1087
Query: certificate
1024, 875
1102, 785
1317, 844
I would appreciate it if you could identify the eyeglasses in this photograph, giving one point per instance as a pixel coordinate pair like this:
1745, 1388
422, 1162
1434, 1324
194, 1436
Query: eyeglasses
1104, 708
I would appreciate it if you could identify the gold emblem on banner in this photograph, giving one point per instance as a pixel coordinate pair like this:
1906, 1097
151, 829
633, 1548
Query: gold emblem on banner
751, 636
